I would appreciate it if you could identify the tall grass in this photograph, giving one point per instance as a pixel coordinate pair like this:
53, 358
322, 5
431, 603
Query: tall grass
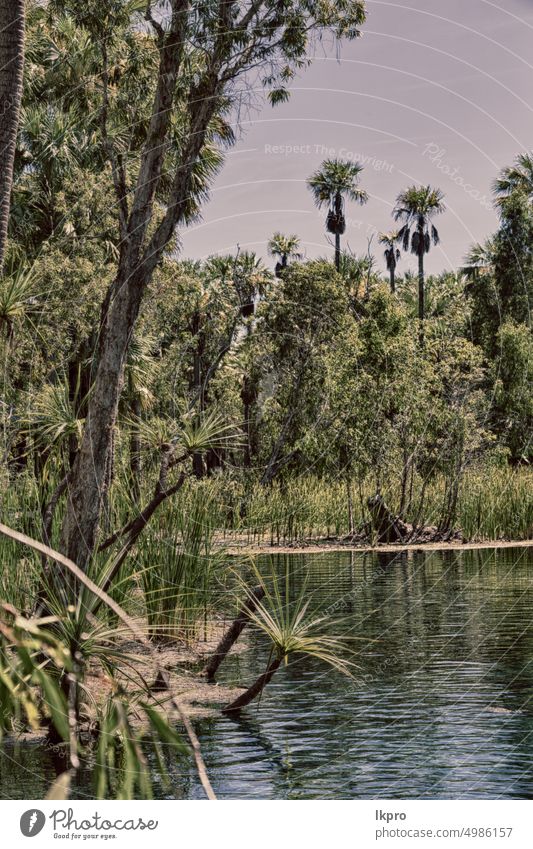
54, 659
497, 504
179, 570
175, 564
494, 503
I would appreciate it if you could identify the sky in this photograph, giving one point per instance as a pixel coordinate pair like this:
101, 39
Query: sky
433, 92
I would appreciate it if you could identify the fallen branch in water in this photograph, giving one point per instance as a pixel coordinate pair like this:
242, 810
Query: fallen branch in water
234, 631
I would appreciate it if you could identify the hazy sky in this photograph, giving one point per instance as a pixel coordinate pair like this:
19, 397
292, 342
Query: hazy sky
433, 92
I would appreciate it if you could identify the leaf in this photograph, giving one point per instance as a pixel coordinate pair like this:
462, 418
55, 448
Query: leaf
278, 95
164, 730
55, 701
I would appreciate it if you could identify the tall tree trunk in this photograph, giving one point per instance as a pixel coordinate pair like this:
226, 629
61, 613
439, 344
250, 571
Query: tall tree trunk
12, 23
392, 273
141, 252
421, 308
89, 476
338, 251
450, 507
135, 450
247, 398
351, 523
79, 384
405, 475
275, 461
197, 379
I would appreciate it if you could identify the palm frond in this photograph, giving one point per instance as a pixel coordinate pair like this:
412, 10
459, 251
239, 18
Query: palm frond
418, 202
51, 417
291, 629
517, 177
18, 297
210, 431
282, 246
336, 177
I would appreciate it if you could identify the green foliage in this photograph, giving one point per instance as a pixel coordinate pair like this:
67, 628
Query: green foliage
121, 767
43, 665
270, 407
513, 261
512, 378
28, 692
19, 299
515, 178
51, 417
289, 626
501, 272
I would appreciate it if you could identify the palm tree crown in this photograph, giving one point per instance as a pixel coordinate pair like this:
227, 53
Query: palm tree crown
286, 248
517, 177
391, 253
336, 180
479, 259
415, 208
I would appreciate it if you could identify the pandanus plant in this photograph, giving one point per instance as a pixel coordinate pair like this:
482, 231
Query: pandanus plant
392, 255
335, 181
290, 630
415, 208
19, 304
285, 248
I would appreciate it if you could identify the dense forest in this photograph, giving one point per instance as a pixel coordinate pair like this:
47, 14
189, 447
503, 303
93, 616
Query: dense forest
157, 408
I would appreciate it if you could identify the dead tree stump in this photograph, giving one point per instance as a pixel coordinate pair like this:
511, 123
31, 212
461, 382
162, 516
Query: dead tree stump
389, 528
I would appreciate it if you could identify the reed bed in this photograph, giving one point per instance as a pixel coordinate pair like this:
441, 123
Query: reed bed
178, 570
494, 504
178, 560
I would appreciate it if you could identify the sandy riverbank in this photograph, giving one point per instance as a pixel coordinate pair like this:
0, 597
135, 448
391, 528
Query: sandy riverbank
184, 663
321, 546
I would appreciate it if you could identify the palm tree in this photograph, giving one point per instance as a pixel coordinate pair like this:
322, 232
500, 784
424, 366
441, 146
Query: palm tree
415, 208
19, 298
284, 247
52, 144
392, 255
479, 259
12, 21
336, 180
217, 268
517, 177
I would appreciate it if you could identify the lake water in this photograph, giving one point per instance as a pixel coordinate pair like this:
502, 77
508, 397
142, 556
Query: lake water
441, 706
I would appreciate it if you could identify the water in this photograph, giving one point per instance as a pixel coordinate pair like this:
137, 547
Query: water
441, 706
